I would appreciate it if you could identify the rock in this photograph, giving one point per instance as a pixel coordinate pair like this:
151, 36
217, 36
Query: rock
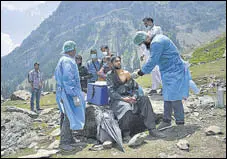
45, 93
54, 145
47, 111
33, 144
107, 145
38, 120
42, 134
2, 153
224, 55
162, 155
20, 95
2, 99
213, 130
56, 132
206, 102
41, 154
196, 114
137, 139
3, 147
96, 148
21, 110
183, 145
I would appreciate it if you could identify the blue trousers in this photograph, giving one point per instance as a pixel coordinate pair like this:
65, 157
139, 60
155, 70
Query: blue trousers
177, 108
35, 94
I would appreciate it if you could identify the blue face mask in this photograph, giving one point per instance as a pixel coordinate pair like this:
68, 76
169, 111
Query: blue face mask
93, 56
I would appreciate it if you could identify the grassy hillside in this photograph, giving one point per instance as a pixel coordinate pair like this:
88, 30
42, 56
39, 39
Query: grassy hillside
209, 52
48, 101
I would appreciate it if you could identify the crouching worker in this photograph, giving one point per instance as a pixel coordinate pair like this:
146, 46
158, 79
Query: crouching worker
69, 96
126, 101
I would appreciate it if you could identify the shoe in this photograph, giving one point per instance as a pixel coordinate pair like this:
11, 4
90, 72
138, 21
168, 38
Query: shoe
152, 92
67, 147
164, 125
156, 133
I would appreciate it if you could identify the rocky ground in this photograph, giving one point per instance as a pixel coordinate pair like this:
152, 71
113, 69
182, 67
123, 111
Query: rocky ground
31, 135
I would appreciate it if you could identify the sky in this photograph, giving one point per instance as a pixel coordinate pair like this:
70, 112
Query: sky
20, 18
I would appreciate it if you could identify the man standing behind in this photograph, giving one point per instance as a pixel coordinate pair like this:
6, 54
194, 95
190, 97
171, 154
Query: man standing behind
155, 74
93, 66
69, 96
36, 81
83, 72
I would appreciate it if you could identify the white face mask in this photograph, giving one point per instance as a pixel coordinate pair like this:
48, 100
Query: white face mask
104, 53
93, 56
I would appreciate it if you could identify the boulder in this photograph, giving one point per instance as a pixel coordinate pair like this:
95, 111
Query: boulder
56, 132
45, 93
107, 145
137, 140
213, 130
183, 145
20, 95
16, 132
21, 110
54, 145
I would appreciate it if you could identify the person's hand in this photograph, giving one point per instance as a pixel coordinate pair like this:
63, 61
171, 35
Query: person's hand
130, 100
135, 75
40, 85
133, 100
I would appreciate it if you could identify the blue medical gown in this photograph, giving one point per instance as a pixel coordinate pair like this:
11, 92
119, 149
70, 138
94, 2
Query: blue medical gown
67, 87
175, 75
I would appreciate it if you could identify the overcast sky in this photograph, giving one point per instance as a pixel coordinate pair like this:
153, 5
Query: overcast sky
19, 18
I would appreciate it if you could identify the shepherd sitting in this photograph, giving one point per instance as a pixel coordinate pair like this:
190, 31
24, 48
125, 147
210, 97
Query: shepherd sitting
126, 100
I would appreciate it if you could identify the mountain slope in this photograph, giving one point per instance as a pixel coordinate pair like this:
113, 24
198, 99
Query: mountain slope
92, 24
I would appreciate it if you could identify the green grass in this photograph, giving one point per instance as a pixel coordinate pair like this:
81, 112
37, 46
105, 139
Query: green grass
144, 81
48, 101
17, 103
210, 52
218, 68
42, 125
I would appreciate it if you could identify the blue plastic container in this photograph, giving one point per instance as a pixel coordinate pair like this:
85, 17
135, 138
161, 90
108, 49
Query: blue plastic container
97, 94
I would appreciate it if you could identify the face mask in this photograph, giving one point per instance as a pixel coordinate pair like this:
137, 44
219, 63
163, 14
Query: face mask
93, 56
79, 64
104, 53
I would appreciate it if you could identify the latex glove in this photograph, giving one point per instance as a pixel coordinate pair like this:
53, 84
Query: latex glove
76, 101
135, 75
